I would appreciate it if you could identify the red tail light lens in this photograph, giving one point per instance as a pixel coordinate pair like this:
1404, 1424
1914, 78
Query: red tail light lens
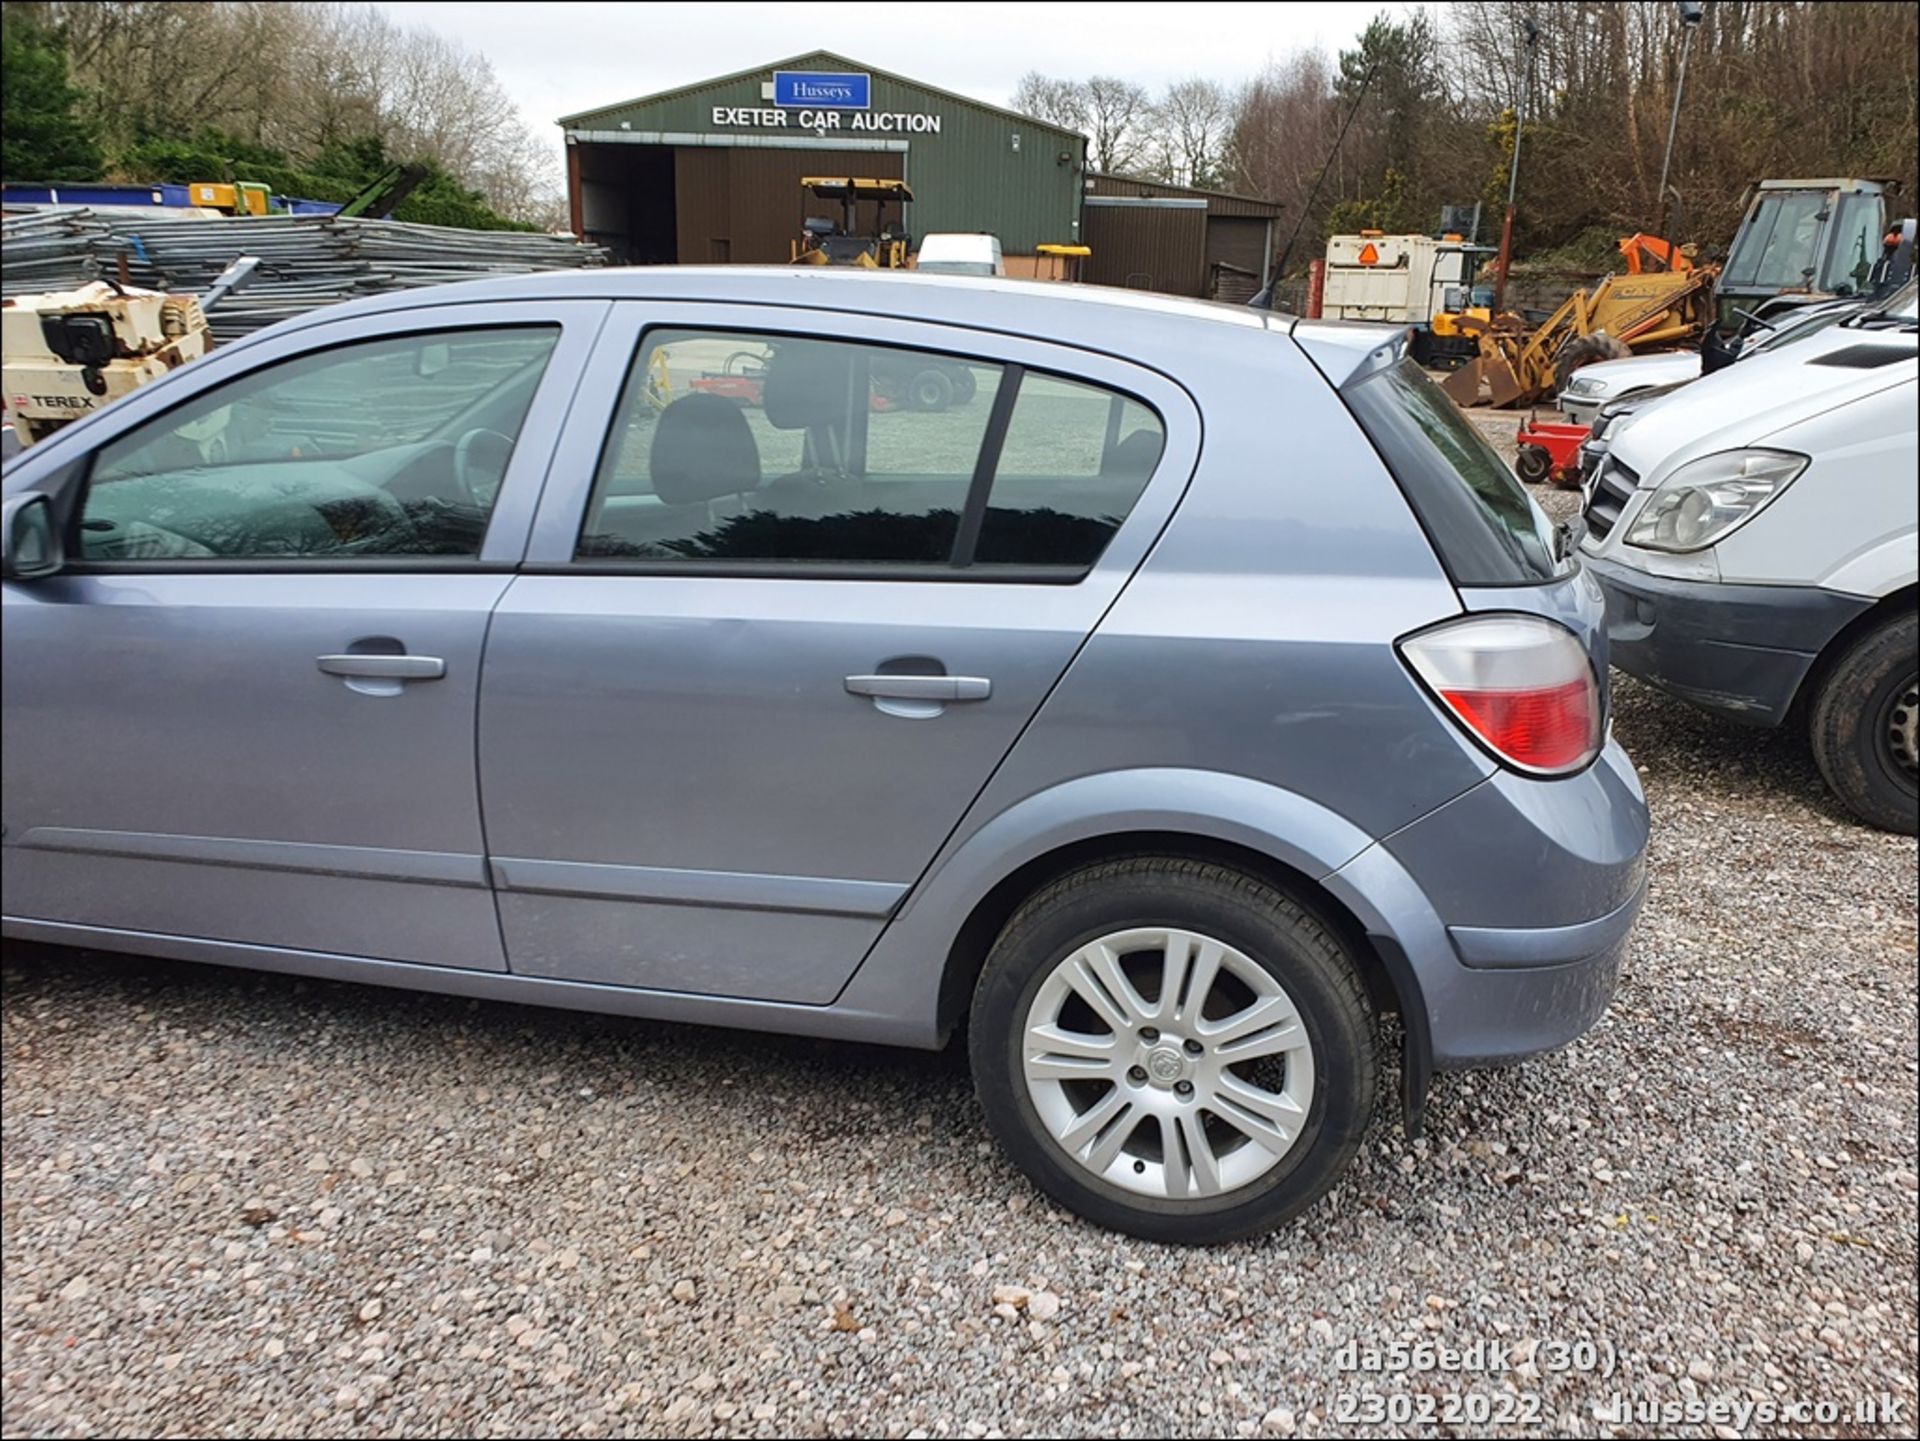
1522, 686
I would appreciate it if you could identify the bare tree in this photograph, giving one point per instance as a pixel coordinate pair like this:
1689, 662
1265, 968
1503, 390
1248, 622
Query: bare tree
1060, 102
299, 78
1283, 125
1774, 87
1119, 114
1115, 115
1193, 119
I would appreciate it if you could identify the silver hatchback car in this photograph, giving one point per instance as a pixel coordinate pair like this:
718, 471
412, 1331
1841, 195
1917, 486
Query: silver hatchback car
1166, 691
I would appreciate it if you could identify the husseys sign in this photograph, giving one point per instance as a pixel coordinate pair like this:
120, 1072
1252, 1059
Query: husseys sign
822, 90
824, 100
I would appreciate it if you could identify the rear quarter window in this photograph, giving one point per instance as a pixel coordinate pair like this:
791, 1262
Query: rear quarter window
1483, 524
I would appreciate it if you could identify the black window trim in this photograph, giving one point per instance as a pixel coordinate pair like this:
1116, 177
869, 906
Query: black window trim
922, 571
292, 565
966, 536
992, 442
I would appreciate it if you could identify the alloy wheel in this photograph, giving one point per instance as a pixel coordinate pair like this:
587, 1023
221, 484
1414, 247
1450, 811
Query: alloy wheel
1168, 1063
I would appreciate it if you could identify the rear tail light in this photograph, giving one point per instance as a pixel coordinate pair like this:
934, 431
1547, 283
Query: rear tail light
1521, 686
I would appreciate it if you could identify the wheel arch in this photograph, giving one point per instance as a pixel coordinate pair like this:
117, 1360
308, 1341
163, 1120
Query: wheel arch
921, 971
1900, 602
1391, 985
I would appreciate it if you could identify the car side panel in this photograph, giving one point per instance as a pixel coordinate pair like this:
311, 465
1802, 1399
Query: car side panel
1251, 657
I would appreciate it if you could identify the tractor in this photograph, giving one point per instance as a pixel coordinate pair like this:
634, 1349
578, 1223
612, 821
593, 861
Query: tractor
825, 241
1798, 240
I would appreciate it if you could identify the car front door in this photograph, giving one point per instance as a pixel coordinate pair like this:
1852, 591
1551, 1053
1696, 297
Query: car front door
244, 711
797, 583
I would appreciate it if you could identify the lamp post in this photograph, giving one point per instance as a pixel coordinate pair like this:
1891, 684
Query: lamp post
1513, 175
1692, 13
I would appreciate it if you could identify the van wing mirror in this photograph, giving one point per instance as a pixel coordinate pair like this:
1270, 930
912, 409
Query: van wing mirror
29, 540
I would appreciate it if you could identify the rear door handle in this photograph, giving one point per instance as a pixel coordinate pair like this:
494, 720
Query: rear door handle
921, 687
385, 667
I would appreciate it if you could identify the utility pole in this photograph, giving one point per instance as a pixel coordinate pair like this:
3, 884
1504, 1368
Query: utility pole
1513, 176
1692, 12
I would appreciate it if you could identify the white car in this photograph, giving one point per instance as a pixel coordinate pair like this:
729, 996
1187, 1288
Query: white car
1605, 381
1757, 534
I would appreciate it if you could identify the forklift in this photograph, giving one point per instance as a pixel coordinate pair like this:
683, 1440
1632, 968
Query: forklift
830, 242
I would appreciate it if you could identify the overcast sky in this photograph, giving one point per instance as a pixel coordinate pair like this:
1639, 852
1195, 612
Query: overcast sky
558, 59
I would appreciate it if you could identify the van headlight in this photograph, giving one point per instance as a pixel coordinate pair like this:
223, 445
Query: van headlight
1585, 386
1706, 500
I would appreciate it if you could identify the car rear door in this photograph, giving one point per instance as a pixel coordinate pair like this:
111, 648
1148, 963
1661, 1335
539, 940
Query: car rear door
244, 712
742, 691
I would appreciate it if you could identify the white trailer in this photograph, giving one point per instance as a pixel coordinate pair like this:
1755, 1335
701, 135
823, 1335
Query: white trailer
1400, 279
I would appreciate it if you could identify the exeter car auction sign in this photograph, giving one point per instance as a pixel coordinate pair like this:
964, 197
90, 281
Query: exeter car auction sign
895, 122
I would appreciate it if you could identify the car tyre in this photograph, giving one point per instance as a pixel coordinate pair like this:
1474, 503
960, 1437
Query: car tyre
1586, 350
1863, 726
1268, 939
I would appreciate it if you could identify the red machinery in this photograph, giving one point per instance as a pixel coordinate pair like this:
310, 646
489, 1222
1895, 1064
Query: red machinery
742, 379
1550, 450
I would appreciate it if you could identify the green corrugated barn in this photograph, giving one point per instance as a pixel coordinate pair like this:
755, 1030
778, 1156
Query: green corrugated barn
711, 173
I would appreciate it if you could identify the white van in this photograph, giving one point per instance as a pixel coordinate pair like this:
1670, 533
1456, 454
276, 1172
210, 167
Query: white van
1757, 533
959, 254
1594, 387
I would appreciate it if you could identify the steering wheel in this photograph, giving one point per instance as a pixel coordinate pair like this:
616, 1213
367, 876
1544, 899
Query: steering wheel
480, 463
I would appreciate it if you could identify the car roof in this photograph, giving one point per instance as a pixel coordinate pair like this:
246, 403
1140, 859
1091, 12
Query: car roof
1039, 308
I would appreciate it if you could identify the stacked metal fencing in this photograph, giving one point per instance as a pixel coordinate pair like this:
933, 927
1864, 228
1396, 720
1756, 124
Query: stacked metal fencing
53, 250
305, 261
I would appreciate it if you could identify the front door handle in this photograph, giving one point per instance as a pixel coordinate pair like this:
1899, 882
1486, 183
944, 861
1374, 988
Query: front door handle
921, 687
384, 667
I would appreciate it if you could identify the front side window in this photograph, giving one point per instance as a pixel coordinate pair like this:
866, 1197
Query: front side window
390, 447
783, 450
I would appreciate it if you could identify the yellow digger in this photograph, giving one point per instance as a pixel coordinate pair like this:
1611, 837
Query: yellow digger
838, 242
1664, 299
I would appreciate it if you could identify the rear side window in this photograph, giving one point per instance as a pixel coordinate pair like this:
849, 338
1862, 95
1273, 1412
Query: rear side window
730, 447
1074, 459
1482, 522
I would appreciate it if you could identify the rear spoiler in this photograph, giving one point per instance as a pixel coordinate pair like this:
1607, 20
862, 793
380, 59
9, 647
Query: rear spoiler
1348, 351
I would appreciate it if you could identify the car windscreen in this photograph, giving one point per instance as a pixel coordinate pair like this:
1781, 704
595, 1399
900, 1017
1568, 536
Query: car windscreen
1481, 520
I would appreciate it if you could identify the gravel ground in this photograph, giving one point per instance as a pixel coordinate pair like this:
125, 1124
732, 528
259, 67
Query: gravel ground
242, 1204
